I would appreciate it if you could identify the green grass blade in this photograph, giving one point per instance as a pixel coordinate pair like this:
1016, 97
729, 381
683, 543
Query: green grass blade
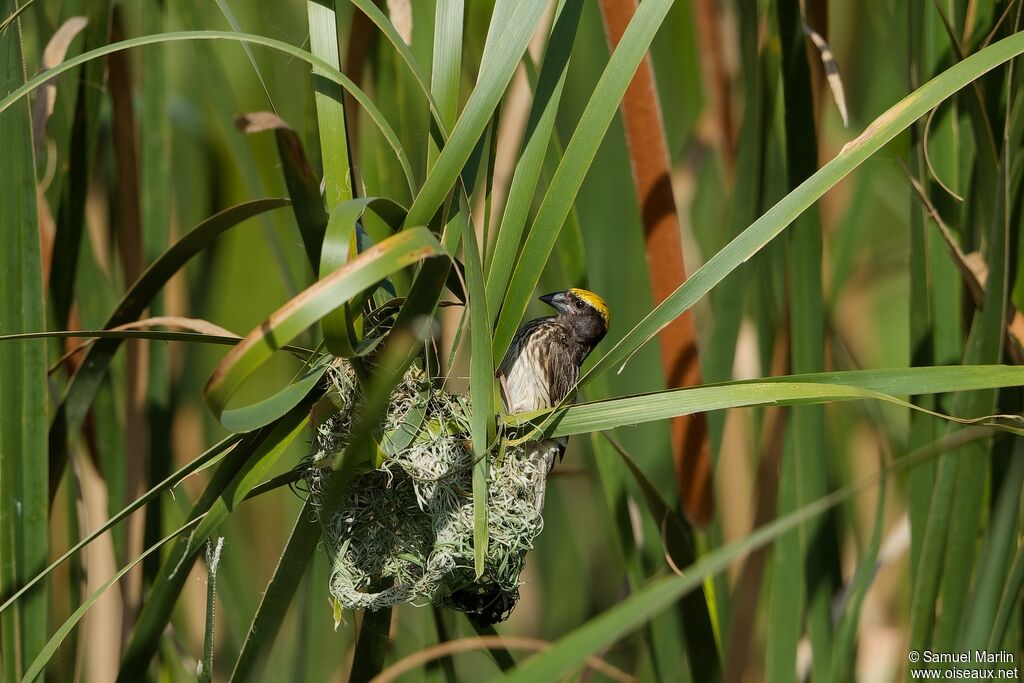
225, 9
208, 458
404, 249
371, 645
495, 75
991, 578
330, 109
183, 36
536, 139
568, 653
338, 247
81, 391
227, 487
339, 181
886, 127
922, 427
24, 504
883, 385
47, 653
579, 155
159, 335
375, 15
445, 70
266, 623
813, 570
481, 390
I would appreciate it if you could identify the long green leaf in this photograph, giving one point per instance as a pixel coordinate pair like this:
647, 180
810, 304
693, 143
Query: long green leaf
298, 553
481, 389
86, 382
179, 36
882, 385
536, 140
886, 127
338, 247
579, 155
404, 249
24, 505
809, 576
209, 457
47, 653
602, 631
510, 41
330, 106
231, 481
445, 69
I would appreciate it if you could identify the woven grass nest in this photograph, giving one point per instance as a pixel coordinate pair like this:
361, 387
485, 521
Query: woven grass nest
404, 531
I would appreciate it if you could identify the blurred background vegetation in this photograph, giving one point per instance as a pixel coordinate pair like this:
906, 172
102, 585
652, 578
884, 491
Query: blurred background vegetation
131, 150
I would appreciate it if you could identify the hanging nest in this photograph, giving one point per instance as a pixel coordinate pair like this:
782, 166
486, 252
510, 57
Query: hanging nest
404, 531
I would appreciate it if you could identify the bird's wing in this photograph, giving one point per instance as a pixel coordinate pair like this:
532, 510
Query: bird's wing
561, 371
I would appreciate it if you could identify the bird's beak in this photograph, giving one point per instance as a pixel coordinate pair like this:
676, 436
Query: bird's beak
557, 301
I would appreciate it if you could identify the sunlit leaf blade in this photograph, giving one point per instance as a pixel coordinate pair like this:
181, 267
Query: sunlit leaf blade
884, 385
404, 249
445, 69
330, 107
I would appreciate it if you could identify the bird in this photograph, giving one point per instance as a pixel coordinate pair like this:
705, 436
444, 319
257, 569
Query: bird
539, 370
542, 364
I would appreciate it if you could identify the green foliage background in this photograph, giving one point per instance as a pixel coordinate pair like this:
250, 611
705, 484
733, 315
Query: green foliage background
142, 147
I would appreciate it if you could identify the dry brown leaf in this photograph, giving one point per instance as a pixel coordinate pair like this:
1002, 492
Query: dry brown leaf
53, 55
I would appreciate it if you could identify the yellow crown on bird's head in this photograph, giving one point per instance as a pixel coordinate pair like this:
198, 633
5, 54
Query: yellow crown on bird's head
594, 301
